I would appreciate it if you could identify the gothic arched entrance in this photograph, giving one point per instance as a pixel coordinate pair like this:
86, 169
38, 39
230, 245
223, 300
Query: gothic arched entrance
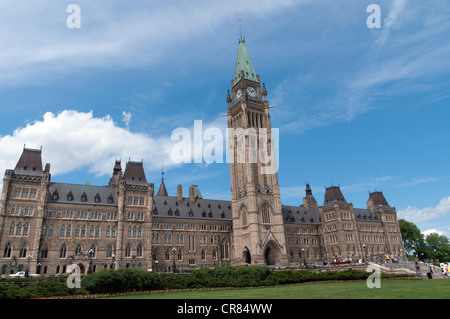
270, 255
246, 256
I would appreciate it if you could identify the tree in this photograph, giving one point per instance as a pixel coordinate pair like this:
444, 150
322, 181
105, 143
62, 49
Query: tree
413, 239
437, 247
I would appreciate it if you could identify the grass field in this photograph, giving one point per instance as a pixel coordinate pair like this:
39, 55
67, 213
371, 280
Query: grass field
390, 289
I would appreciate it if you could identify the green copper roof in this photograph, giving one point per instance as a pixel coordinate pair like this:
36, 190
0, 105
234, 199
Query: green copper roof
243, 62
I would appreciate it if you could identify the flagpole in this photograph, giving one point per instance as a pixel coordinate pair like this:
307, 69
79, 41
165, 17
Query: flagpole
240, 28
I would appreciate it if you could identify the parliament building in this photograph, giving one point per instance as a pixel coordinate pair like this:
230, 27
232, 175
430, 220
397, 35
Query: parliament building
48, 227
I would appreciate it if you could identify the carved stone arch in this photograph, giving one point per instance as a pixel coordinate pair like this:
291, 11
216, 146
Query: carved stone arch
246, 255
271, 253
265, 210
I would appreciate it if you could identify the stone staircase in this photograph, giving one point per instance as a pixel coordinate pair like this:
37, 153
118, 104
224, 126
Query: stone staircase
408, 267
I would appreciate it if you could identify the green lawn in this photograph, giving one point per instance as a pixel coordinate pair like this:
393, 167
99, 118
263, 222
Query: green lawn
390, 289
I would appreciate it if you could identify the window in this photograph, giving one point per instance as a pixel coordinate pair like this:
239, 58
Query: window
128, 251
70, 197
84, 197
110, 199
265, 214
13, 210
23, 251
62, 251
97, 198
11, 228
139, 251
25, 229
55, 195
7, 251
78, 249
44, 251
109, 251
50, 230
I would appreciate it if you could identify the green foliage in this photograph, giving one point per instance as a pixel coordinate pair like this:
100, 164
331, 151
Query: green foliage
47, 288
129, 279
124, 279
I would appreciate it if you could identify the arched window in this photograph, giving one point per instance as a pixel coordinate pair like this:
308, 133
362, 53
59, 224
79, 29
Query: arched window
12, 228
139, 251
129, 231
23, 251
50, 230
7, 251
68, 231
63, 230
77, 231
97, 231
203, 256
265, 214
108, 231
244, 216
109, 251
19, 228
113, 231
25, 229
91, 231
180, 254
44, 251
167, 255
128, 251
62, 251
13, 210
78, 250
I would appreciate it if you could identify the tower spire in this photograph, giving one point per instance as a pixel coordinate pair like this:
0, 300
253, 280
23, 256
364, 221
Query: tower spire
244, 64
162, 187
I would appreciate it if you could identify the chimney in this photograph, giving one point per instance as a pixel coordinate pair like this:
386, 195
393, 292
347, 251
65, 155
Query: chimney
180, 193
192, 194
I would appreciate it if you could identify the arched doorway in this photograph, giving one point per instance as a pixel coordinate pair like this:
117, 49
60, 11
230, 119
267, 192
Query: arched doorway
270, 255
246, 256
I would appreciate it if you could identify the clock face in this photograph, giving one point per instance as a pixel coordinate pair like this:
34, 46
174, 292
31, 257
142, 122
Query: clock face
251, 91
238, 94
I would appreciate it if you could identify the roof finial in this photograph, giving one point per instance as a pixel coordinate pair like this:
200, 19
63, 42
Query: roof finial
162, 173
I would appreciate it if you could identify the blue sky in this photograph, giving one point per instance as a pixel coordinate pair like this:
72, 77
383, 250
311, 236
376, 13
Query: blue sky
366, 109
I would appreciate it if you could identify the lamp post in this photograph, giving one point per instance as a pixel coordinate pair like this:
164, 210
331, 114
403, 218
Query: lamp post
28, 266
174, 265
304, 257
365, 251
91, 254
113, 261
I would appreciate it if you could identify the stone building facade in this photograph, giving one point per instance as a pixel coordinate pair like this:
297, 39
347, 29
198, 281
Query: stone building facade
48, 227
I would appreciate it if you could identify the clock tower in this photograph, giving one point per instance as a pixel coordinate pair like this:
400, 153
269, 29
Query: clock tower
258, 230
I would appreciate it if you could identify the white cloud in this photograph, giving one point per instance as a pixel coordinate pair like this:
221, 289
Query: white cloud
72, 140
421, 216
126, 118
434, 231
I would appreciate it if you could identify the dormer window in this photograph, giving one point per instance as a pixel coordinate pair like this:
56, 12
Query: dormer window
70, 196
97, 199
110, 199
55, 195
84, 197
